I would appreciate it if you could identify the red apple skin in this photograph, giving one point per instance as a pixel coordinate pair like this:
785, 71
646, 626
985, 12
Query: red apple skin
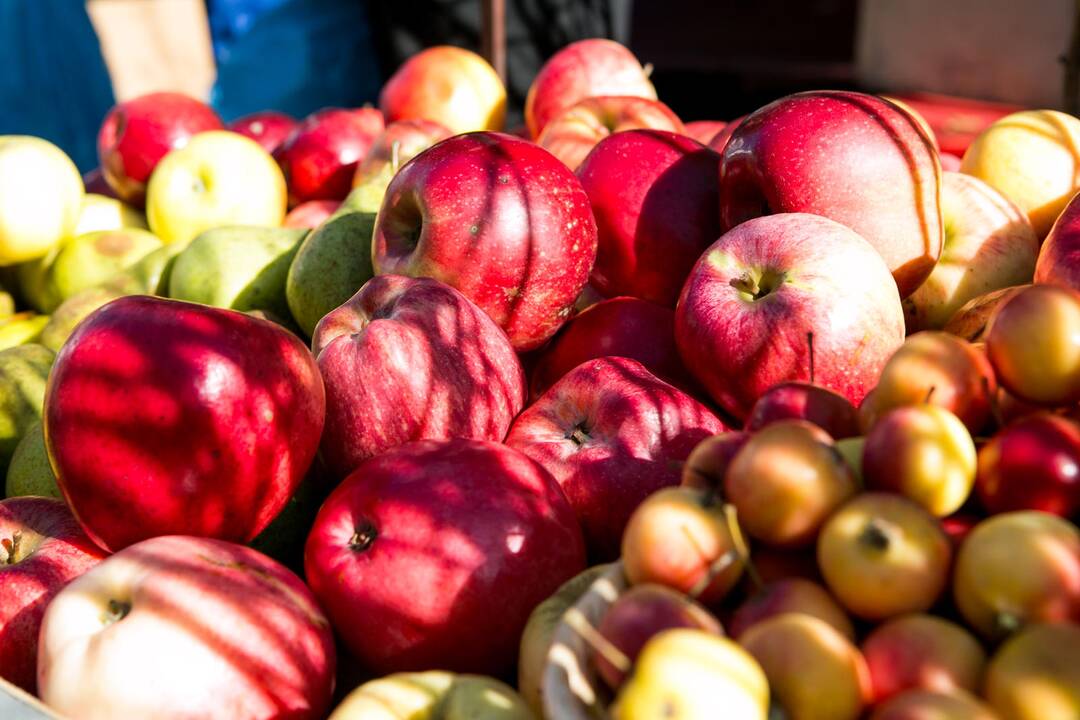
310, 214
821, 277
654, 197
790, 594
412, 359
611, 433
1059, 257
802, 401
434, 554
586, 68
269, 128
412, 137
707, 463
320, 156
499, 219
623, 326
137, 133
60, 551
719, 141
703, 130
1031, 464
807, 153
166, 417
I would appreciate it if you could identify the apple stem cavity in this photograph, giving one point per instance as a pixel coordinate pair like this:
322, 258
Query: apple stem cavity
12, 548
364, 535
594, 639
1007, 623
755, 287
116, 611
877, 534
579, 435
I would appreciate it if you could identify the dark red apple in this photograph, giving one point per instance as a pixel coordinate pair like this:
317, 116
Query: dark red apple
165, 417
654, 195
498, 218
136, 134
707, 463
1032, 464
269, 128
1059, 257
399, 143
703, 130
611, 433
310, 214
433, 555
806, 401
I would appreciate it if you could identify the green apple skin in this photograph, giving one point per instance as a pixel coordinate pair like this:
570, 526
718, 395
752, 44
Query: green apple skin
433, 695
24, 370
333, 262
240, 268
30, 472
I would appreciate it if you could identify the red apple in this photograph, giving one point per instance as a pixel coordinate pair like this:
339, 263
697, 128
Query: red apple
269, 128
703, 130
804, 401
950, 162
310, 214
750, 301
412, 359
808, 153
167, 417
654, 196
972, 320
399, 143
434, 554
1032, 464
707, 463
788, 595
499, 219
319, 158
1059, 257
137, 133
611, 433
181, 626
572, 134
42, 549
582, 69
719, 141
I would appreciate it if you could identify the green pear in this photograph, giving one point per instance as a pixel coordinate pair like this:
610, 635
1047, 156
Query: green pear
333, 262
433, 695
242, 268
30, 472
21, 328
24, 371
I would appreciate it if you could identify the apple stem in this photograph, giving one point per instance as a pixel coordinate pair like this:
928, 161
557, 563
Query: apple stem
11, 547
731, 515
578, 435
929, 394
395, 156
594, 639
810, 350
648, 69
745, 283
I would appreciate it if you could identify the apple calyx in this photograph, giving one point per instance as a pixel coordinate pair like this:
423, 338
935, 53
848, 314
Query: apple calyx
1007, 623
877, 534
754, 285
364, 536
115, 611
13, 550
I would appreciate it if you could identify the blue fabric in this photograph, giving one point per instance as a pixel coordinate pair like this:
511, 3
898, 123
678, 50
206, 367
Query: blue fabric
53, 79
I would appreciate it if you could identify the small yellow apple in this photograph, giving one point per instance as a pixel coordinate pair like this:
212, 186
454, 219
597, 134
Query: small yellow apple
1035, 675
433, 695
40, 197
100, 212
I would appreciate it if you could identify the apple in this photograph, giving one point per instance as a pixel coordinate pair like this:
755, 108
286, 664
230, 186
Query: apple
583, 69
719, 141
611, 433
929, 705
851, 449
707, 464
1060, 253
924, 652
167, 417
101, 212
1029, 157
988, 245
399, 143
449, 85
790, 595
497, 218
623, 326
950, 162
1032, 464
218, 178
1035, 675
750, 301
828, 410
1018, 568
922, 452
807, 153
813, 670
139, 132
412, 359
883, 555
703, 130
653, 194
320, 157
94, 183
180, 626
574, 132
269, 128
433, 555
432, 695
310, 214
42, 549
972, 321
786, 481
1034, 344
24, 372
41, 197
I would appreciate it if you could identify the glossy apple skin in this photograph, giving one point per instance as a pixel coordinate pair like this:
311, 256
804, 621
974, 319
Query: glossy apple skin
310, 214
412, 137
136, 134
929, 705
164, 417
50, 552
212, 630
1035, 675
572, 134
412, 359
269, 128
703, 130
719, 141
803, 401
708, 462
611, 433
788, 595
807, 153
582, 69
499, 219
1059, 257
1032, 464
435, 553
623, 326
654, 197
828, 281
320, 156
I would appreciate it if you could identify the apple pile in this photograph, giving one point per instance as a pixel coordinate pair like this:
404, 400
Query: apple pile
340, 416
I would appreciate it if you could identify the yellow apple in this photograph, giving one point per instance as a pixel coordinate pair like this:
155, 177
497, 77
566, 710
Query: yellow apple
40, 197
218, 178
1036, 674
433, 695
100, 212
931, 705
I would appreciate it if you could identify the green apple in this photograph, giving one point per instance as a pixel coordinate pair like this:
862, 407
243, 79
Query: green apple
219, 178
41, 195
24, 371
100, 212
30, 472
433, 695
242, 268
21, 328
333, 262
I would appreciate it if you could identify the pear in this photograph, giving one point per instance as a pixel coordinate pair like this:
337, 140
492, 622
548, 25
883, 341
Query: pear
241, 267
21, 328
24, 371
433, 695
30, 472
101, 212
333, 262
